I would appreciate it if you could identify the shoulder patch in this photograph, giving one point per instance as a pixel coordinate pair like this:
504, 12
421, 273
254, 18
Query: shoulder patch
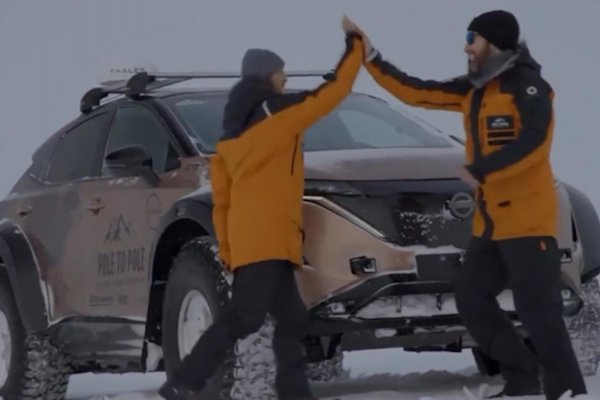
532, 90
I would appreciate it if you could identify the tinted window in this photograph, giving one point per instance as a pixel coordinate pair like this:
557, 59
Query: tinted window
42, 156
360, 122
140, 126
79, 152
203, 117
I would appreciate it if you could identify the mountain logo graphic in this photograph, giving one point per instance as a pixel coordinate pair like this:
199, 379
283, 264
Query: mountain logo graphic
119, 230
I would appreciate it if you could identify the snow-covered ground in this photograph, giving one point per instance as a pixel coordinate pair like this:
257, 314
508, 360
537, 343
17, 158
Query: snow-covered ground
373, 375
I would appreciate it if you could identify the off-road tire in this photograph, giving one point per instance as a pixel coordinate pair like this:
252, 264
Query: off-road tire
37, 369
584, 329
255, 366
327, 370
196, 267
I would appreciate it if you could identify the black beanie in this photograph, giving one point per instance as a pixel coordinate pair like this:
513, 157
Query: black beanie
260, 63
498, 27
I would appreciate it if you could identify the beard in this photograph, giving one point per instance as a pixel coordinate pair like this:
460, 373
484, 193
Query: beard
475, 65
488, 64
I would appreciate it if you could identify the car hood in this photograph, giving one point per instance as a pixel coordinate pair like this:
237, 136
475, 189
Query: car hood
384, 164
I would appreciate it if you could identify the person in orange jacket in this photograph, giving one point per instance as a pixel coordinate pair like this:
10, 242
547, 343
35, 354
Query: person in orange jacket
509, 123
257, 177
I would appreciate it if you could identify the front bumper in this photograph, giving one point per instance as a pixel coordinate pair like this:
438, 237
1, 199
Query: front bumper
403, 304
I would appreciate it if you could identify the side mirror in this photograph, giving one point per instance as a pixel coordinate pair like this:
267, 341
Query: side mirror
132, 157
133, 160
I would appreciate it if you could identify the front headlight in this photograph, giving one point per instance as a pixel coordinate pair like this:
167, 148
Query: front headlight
324, 187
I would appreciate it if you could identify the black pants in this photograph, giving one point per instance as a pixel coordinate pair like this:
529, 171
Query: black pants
530, 267
258, 289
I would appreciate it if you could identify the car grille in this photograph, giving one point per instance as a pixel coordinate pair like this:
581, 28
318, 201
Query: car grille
412, 213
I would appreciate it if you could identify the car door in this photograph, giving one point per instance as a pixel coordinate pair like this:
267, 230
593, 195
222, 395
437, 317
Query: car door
129, 206
57, 216
104, 230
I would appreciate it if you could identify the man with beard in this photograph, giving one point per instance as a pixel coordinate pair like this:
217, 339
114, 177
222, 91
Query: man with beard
509, 123
257, 178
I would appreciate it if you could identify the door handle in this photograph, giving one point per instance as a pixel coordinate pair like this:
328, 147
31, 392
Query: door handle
25, 210
95, 205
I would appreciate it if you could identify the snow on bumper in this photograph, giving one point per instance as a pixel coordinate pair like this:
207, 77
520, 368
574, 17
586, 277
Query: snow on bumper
421, 305
430, 305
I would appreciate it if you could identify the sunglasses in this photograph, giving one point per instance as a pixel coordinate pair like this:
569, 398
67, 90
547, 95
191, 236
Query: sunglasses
471, 37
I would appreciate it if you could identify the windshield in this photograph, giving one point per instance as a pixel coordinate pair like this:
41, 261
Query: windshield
359, 122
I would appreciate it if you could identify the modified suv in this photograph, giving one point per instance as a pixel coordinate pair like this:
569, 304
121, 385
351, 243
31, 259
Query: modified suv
109, 261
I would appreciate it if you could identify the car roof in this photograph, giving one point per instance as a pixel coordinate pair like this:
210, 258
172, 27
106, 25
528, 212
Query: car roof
143, 84
188, 91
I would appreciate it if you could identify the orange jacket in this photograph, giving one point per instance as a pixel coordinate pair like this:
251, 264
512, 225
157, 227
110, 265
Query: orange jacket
257, 173
509, 126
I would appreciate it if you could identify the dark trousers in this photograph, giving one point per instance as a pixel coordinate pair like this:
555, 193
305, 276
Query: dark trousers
530, 267
258, 289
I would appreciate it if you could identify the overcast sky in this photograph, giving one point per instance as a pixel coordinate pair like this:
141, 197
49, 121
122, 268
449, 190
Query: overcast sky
53, 51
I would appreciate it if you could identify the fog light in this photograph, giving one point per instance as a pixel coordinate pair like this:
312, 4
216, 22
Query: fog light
363, 265
566, 256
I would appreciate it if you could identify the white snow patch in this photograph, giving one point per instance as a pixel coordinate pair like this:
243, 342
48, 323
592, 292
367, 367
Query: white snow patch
87, 385
387, 374
44, 286
424, 250
124, 181
154, 355
197, 192
214, 248
381, 333
446, 214
568, 395
134, 318
421, 305
139, 330
48, 298
204, 178
5, 348
426, 221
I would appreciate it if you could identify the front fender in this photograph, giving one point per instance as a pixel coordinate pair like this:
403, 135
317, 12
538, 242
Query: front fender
196, 207
24, 277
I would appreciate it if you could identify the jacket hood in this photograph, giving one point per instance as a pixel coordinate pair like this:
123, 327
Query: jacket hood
525, 58
245, 97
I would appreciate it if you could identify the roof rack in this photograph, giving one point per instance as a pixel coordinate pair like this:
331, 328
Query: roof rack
145, 82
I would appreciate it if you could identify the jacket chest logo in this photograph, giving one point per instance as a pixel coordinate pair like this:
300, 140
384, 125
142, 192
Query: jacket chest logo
500, 122
500, 129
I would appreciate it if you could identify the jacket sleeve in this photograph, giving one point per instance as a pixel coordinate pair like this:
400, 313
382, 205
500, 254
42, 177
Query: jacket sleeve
221, 188
307, 107
533, 100
430, 94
